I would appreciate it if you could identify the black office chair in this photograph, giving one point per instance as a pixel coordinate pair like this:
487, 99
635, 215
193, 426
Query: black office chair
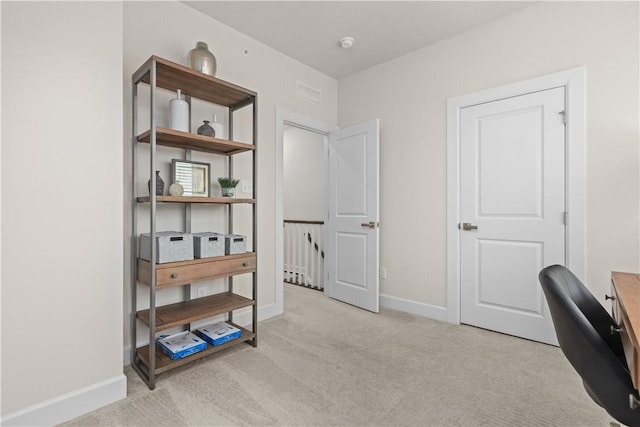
583, 328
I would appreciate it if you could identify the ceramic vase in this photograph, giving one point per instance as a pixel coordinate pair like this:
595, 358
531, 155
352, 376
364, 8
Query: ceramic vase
206, 130
218, 128
159, 185
176, 189
200, 59
179, 113
228, 191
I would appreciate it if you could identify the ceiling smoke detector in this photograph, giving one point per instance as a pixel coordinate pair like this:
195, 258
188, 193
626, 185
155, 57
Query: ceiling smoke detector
347, 42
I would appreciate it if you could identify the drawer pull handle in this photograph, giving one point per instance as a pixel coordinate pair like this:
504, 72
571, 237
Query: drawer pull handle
606, 297
244, 264
634, 403
615, 330
174, 275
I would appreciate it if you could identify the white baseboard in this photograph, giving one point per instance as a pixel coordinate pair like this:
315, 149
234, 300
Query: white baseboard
269, 311
265, 312
243, 319
435, 312
70, 405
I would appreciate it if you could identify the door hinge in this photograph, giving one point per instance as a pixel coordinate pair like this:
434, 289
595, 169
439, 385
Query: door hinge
565, 217
563, 113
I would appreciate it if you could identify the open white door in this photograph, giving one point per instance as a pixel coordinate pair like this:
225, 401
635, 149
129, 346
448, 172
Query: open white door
352, 225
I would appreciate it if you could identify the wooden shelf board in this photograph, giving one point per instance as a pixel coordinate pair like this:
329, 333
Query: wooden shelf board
188, 140
164, 363
186, 199
173, 76
182, 313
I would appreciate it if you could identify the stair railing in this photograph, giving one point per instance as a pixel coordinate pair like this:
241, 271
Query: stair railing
304, 253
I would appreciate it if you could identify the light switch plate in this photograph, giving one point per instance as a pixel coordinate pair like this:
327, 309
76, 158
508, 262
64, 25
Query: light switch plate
246, 187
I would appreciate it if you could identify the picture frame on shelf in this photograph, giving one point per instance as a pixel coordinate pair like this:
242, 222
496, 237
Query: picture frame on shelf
194, 177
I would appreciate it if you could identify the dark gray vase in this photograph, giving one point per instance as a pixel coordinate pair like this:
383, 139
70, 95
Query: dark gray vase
206, 130
159, 185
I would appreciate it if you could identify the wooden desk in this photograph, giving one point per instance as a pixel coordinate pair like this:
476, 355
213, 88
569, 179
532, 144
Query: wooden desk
626, 312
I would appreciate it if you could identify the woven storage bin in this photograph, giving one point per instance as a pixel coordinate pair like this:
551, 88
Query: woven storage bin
208, 244
172, 246
235, 244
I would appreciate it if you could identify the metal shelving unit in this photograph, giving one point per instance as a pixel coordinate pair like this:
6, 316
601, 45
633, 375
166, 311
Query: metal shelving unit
148, 361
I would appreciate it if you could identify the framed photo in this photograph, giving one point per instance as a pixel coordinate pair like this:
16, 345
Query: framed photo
193, 176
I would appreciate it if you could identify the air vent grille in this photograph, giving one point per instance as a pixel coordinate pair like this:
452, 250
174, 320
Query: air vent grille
307, 93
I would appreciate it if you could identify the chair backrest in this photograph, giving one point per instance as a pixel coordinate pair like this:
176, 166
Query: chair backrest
583, 328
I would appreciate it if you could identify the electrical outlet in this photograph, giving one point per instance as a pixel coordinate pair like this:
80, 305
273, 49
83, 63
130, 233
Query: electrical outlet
383, 272
246, 187
202, 291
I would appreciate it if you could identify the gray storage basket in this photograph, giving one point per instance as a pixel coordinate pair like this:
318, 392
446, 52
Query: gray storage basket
208, 244
172, 246
235, 244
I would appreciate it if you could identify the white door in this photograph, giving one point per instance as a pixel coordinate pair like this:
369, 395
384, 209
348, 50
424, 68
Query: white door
352, 225
513, 190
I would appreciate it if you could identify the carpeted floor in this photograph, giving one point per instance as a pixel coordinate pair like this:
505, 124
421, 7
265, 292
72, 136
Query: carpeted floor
324, 363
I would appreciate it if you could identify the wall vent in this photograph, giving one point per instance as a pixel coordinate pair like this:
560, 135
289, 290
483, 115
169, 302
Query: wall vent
307, 93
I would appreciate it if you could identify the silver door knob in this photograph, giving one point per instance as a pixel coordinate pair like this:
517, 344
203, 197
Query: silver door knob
370, 224
468, 226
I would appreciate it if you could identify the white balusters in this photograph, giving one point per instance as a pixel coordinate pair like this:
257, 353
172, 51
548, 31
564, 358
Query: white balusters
303, 253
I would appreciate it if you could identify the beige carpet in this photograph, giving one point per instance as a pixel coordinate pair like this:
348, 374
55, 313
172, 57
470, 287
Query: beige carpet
326, 363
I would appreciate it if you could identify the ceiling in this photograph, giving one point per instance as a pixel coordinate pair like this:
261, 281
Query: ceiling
310, 31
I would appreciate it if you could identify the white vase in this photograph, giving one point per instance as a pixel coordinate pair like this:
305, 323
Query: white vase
218, 128
179, 114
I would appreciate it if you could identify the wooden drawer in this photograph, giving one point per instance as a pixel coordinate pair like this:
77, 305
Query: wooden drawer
624, 310
615, 304
185, 272
630, 353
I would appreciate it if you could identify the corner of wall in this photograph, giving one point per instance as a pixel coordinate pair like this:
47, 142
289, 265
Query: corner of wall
429, 311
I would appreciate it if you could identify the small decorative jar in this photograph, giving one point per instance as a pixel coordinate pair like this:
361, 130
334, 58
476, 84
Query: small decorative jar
206, 130
176, 189
159, 185
200, 59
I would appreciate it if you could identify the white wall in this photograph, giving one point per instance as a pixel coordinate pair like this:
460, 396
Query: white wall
409, 96
304, 175
170, 30
61, 209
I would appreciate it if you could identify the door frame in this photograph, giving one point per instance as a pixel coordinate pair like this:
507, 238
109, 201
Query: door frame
573, 80
287, 118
